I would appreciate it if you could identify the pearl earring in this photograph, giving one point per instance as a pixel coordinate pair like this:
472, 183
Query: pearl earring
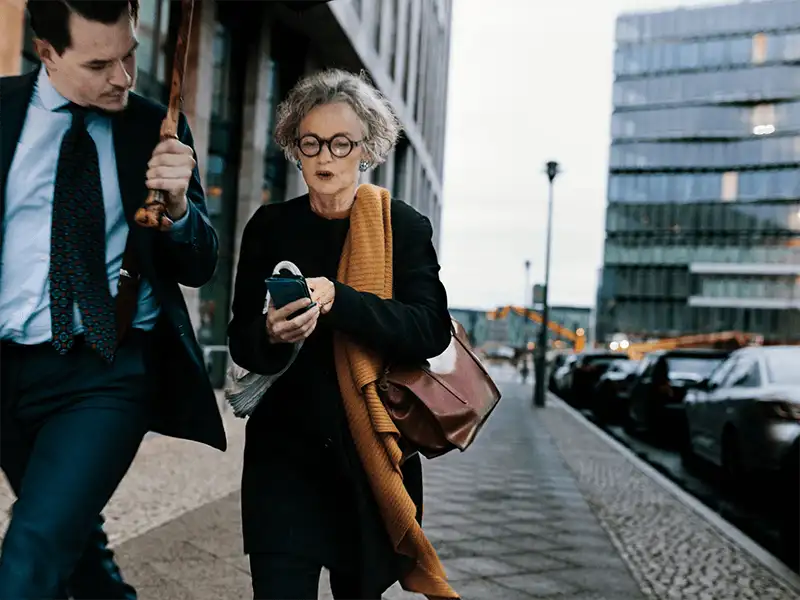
363, 166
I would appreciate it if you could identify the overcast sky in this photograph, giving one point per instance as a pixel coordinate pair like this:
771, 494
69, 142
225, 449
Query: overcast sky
530, 81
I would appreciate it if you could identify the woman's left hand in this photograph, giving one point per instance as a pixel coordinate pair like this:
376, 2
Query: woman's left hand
323, 293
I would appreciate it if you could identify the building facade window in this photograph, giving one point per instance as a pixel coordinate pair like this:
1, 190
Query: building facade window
730, 186
288, 53
697, 218
674, 156
706, 122
378, 24
222, 177
769, 82
763, 120
633, 60
392, 23
759, 49
775, 184
153, 58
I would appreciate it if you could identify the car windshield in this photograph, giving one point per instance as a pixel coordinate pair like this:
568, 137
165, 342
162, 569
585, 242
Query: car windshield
602, 360
697, 365
782, 366
626, 366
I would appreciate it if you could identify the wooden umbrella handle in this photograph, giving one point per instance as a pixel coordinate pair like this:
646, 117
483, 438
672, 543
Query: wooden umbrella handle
153, 213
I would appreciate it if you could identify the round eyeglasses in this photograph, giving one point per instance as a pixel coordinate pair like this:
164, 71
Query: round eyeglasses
339, 145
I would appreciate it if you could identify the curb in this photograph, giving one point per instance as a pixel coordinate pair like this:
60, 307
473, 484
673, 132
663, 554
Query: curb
731, 532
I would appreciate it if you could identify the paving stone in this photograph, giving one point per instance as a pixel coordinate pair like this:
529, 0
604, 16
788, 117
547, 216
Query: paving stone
480, 566
487, 589
537, 585
484, 547
447, 534
534, 562
537, 529
531, 543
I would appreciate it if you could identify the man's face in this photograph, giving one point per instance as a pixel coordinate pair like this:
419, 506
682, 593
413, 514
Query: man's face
99, 67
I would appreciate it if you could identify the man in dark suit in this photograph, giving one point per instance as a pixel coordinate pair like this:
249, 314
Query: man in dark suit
76, 160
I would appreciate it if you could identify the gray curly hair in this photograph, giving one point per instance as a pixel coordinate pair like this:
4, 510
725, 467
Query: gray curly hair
381, 126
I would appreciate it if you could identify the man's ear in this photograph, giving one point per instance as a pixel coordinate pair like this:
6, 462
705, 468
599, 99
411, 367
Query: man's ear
46, 53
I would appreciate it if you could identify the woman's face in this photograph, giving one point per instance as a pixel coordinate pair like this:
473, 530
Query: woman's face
325, 149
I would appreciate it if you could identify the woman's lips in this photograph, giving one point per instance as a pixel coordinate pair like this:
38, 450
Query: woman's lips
324, 175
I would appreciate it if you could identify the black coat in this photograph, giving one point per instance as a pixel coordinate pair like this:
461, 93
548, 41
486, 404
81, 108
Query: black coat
304, 491
186, 404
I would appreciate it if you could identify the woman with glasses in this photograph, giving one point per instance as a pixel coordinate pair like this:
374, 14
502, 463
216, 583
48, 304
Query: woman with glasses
307, 501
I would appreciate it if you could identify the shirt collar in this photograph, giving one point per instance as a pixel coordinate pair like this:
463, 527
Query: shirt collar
47, 94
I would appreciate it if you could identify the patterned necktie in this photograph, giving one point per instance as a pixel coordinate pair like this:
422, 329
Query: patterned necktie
78, 245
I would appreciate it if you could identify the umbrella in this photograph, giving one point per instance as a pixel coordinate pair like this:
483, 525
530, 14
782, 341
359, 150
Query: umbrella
153, 212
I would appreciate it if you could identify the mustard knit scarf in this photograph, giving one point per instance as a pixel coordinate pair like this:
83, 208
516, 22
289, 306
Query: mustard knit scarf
366, 265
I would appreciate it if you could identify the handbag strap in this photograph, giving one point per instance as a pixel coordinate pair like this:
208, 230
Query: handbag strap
128, 291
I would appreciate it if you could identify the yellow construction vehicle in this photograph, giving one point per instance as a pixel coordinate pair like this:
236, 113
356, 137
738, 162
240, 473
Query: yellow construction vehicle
722, 339
578, 338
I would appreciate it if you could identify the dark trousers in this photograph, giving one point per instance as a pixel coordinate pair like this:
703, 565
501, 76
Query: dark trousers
285, 577
70, 428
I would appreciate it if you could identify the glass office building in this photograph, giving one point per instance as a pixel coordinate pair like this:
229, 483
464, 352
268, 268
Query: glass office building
703, 215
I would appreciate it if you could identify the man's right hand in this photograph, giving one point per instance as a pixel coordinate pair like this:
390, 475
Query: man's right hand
282, 330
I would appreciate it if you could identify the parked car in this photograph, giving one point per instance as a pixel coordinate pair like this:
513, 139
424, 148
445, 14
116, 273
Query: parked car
562, 376
584, 373
655, 404
745, 418
612, 391
556, 362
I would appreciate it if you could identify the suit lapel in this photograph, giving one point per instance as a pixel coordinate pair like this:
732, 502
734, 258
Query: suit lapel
134, 141
15, 96
131, 160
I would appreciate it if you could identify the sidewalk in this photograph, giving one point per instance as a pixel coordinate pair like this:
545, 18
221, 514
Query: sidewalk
543, 506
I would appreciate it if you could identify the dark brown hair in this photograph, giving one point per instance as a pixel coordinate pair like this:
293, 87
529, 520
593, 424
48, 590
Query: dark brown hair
50, 18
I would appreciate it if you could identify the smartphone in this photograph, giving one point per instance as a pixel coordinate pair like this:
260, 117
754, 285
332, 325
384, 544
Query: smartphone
285, 290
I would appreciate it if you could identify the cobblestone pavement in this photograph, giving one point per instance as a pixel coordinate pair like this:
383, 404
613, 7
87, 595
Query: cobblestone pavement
672, 551
507, 518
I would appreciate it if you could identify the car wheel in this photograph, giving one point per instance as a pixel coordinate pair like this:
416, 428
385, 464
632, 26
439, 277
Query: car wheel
732, 465
689, 459
790, 511
601, 404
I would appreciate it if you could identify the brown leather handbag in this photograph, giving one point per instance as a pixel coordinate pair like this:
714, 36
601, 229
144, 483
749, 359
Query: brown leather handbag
441, 405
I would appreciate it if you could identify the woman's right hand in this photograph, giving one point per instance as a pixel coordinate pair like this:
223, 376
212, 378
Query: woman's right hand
282, 330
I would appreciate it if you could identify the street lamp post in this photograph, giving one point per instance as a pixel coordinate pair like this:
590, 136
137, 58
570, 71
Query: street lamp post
527, 308
527, 282
541, 345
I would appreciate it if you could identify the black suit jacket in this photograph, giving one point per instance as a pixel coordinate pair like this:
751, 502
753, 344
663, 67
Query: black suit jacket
186, 406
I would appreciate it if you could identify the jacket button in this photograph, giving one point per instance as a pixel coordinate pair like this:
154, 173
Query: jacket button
328, 443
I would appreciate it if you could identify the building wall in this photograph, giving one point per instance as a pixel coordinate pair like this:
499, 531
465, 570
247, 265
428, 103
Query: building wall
703, 217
